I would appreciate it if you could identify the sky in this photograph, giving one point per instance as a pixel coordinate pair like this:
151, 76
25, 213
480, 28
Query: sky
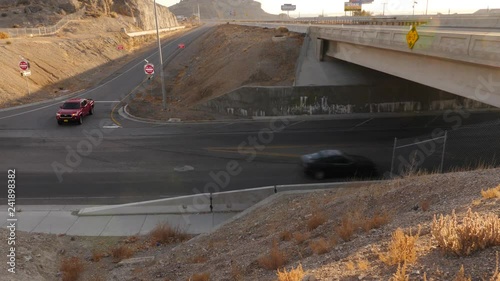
336, 7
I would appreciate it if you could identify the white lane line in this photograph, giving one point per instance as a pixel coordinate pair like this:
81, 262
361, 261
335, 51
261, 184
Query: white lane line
362, 123
111, 127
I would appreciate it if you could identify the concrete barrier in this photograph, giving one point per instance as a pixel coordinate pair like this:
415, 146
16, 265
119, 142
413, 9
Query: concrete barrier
239, 200
199, 203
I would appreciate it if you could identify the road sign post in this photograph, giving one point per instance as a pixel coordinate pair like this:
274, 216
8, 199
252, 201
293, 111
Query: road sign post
149, 69
24, 65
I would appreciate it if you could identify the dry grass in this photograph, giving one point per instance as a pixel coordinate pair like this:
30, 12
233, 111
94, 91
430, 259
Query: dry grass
295, 274
400, 274
198, 259
461, 275
346, 229
401, 248
320, 246
477, 232
491, 193
113, 15
121, 252
317, 219
274, 260
71, 269
4, 35
300, 237
200, 277
286, 235
165, 234
376, 221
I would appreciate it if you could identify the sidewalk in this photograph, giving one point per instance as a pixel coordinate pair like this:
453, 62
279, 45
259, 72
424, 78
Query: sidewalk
63, 220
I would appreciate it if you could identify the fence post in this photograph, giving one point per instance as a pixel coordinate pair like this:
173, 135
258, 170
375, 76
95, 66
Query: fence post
444, 148
393, 155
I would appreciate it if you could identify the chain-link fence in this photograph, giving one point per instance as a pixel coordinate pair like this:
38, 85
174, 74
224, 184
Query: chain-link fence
462, 148
41, 31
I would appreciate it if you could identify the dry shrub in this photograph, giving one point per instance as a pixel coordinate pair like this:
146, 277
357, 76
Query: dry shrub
4, 35
96, 256
165, 234
346, 229
461, 275
363, 265
401, 248
282, 29
71, 269
8, 42
376, 221
300, 237
320, 246
491, 193
295, 274
236, 272
425, 205
198, 259
477, 232
350, 265
200, 277
121, 252
400, 274
317, 219
274, 260
286, 235
113, 15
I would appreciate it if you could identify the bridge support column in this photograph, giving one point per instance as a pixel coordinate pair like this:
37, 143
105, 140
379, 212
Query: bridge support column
320, 49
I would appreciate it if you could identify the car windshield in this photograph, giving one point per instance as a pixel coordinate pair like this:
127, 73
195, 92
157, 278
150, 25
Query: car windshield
71, 105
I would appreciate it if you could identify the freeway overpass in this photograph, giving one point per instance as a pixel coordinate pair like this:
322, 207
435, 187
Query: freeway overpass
459, 55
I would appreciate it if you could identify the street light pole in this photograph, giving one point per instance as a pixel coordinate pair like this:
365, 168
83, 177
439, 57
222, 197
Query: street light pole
162, 75
383, 12
414, 3
426, 7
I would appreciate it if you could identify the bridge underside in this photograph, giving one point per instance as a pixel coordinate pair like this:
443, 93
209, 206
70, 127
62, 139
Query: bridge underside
473, 81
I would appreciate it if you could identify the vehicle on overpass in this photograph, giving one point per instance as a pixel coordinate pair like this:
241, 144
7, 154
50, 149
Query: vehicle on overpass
334, 163
74, 110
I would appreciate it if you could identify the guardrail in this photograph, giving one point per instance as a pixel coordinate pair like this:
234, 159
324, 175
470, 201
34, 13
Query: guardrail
42, 31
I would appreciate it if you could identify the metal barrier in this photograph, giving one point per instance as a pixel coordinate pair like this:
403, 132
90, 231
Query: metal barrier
42, 31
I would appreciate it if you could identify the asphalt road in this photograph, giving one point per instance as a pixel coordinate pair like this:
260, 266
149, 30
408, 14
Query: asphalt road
101, 163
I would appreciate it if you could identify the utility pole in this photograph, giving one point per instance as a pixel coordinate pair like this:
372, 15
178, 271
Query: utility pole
162, 75
427, 7
383, 12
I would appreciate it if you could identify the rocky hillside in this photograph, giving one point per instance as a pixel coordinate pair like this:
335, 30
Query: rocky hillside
34, 13
221, 9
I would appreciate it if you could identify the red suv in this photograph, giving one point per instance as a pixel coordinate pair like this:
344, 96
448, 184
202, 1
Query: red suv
74, 110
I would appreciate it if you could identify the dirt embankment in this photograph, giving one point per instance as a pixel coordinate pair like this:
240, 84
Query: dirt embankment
226, 58
337, 234
82, 54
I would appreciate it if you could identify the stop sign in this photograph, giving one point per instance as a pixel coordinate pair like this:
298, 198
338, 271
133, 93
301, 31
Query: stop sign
23, 65
149, 69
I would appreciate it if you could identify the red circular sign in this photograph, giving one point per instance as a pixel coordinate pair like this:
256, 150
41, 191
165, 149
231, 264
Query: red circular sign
23, 65
149, 69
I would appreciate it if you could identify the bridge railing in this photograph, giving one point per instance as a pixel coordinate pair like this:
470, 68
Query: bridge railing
45, 30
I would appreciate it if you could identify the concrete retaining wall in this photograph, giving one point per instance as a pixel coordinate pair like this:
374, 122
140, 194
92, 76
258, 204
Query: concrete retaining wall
279, 101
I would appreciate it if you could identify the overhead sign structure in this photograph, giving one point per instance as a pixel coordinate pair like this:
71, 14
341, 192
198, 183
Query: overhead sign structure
24, 65
149, 69
288, 7
361, 1
349, 7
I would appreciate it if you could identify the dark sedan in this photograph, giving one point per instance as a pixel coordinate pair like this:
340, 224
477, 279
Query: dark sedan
334, 163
